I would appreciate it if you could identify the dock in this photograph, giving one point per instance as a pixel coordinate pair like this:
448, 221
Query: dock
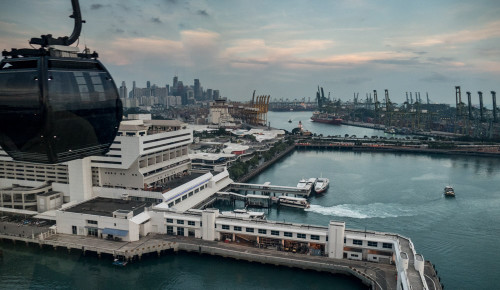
374, 275
270, 190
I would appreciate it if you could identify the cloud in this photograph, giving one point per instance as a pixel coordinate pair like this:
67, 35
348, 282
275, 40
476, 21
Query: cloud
435, 77
96, 6
156, 20
488, 31
202, 13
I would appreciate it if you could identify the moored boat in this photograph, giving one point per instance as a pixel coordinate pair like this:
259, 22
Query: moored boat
302, 183
243, 213
449, 191
321, 185
121, 263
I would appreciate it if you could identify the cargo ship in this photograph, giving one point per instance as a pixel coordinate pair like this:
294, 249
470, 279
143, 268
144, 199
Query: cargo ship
326, 118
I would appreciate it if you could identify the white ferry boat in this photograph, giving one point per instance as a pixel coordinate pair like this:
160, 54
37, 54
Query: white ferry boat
243, 213
311, 182
302, 183
298, 202
449, 191
321, 185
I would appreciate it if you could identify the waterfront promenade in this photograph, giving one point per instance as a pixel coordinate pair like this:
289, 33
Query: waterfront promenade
375, 275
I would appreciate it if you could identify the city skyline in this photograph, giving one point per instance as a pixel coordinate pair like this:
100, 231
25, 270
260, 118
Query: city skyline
283, 51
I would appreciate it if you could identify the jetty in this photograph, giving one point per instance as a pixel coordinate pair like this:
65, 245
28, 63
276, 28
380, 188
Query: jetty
374, 275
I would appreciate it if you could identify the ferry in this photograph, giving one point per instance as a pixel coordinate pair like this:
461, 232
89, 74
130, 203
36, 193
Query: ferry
448, 191
243, 213
298, 202
302, 183
311, 182
326, 118
321, 185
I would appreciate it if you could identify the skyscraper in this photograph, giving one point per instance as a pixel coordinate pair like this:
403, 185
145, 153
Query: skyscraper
174, 86
123, 91
197, 89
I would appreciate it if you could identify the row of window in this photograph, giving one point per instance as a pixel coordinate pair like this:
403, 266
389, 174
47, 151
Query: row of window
273, 232
196, 190
372, 244
181, 222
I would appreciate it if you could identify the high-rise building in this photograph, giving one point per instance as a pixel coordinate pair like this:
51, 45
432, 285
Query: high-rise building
123, 91
197, 89
174, 86
148, 84
216, 95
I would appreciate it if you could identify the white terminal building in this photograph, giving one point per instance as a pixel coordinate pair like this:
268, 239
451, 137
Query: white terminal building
146, 184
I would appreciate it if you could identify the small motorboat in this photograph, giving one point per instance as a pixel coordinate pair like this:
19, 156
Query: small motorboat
449, 191
121, 263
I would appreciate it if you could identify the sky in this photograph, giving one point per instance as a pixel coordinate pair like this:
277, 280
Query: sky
285, 49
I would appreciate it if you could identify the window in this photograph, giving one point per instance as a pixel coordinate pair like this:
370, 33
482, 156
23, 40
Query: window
190, 223
301, 236
262, 231
170, 230
249, 230
386, 245
92, 232
92, 222
184, 197
171, 204
180, 222
287, 234
73, 228
354, 255
225, 227
372, 244
357, 242
238, 229
177, 201
315, 237
170, 221
275, 233
180, 231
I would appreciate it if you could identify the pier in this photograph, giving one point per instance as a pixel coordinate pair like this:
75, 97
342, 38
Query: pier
374, 275
271, 190
385, 147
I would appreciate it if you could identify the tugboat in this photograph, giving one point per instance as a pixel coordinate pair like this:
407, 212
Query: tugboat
448, 191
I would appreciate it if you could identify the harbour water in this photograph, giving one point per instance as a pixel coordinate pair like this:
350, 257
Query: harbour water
401, 193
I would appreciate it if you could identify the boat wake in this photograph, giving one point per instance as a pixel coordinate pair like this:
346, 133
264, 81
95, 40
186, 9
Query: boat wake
362, 211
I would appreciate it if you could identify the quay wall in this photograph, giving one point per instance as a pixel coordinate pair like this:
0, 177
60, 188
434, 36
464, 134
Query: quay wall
265, 165
398, 149
278, 261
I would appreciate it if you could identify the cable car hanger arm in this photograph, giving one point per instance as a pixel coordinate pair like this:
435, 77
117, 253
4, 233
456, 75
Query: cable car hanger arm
47, 39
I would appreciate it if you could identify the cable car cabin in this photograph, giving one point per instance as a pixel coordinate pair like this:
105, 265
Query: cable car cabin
56, 109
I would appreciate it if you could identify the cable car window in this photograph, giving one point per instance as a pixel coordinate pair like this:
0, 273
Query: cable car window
19, 89
72, 65
24, 64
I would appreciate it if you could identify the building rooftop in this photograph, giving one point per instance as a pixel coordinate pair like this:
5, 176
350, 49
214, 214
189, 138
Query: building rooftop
106, 206
49, 193
183, 180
